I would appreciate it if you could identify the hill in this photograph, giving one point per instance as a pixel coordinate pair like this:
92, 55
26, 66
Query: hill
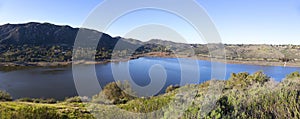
44, 42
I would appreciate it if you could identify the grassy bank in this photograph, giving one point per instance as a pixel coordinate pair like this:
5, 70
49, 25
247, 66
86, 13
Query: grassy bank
27, 110
242, 96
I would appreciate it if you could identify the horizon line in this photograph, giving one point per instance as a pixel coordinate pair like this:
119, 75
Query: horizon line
76, 27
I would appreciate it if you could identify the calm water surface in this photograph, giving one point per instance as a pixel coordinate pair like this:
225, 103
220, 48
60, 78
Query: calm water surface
58, 82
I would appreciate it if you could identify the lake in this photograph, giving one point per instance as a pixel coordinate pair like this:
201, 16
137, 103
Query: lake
58, 82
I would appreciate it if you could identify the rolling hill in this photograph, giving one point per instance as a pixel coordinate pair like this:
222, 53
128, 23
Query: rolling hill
45, 42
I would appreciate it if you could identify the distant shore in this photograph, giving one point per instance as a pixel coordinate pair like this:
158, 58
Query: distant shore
162, 55
227, 61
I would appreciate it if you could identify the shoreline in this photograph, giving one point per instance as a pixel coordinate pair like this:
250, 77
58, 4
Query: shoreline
57, 64
227, 61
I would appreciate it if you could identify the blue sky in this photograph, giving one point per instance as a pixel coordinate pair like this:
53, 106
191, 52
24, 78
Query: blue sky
238, 21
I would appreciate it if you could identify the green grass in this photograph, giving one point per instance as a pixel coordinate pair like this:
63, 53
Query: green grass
144, 105
26, 110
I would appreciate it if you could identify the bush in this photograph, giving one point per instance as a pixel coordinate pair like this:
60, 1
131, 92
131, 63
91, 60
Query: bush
4, 96
38, 100
257, 99
25, 100
171, 88
115, 92
244, 80
48, 101
293, 75
146, 105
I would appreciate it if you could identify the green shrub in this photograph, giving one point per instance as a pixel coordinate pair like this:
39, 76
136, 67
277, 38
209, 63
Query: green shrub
244, 80
145, 105
270, 100
38, 100
4, 96
115, 92
25, 100
48, 101
293, 75
77, 99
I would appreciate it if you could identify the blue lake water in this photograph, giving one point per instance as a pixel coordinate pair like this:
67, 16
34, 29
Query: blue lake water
58, 82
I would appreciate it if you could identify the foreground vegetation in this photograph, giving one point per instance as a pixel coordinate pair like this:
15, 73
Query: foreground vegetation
243, 95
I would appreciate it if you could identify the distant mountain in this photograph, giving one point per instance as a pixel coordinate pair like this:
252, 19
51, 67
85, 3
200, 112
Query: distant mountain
37, 33
169, 43
34, 42
49, 34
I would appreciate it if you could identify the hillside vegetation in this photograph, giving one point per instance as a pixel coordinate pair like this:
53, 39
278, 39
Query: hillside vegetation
243, 96
45, 42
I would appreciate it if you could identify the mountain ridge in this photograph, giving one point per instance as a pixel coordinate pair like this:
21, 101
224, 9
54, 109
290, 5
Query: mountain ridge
46, 42
39, 33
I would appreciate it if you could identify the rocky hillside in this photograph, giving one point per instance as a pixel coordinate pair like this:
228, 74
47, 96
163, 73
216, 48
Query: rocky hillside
49, 34
36, 33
